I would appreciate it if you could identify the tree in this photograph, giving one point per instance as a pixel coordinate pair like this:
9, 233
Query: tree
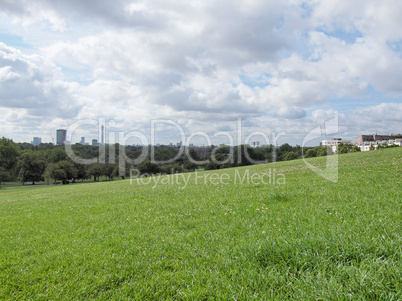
69, 169
323, 151
355, 149
172, 168
4, 175
193, 155
108, 170
126, 173
55, 172
190, 165
147, 167
290, 156
57, 155
9, 153
31, 167
311, 153
244, 155
285, 148
26, 145
81, 170
344, 148
95, 170
211, 166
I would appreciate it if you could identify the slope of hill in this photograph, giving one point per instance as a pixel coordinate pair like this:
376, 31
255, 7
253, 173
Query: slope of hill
275, 231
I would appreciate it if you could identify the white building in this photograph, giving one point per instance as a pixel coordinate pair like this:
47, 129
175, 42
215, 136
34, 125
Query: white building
370, 145
333, 143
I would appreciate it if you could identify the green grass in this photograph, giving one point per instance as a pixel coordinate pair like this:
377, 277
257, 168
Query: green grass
307, 239
13, 184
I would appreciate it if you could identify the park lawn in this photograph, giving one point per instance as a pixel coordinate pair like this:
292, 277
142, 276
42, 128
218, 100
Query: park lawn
284, 234
50, 182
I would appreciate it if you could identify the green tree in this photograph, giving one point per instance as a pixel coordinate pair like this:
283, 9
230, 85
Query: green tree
4, 175
116, 172
26, 145
54, 172
31, 167
95, 170
57, 155
310, 153
290, 156
190, 165
69, 169
344, 148
244, 155
108, 170
9, 153
81, 170
193, 155
147, 167
211, 165
323, 151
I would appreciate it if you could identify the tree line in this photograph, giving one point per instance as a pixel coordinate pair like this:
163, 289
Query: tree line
28, 163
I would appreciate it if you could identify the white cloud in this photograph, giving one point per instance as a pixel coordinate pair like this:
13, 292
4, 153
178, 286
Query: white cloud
291, 112
33, 83
204, 64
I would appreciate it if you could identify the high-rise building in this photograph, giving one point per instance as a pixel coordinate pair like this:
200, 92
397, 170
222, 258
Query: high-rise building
61, 136
103, 135
82, 141
95, 142
36, 141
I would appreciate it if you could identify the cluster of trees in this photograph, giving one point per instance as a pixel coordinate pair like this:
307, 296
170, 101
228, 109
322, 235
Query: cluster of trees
26, 162
319, 151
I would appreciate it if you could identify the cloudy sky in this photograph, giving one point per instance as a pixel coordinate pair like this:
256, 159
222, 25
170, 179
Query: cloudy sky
279, 66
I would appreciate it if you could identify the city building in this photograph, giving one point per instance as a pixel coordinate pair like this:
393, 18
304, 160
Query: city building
95, 142
333, 143
103, 135
375, 137
36, 141
82, 141
371, 142
61, 136
372, 145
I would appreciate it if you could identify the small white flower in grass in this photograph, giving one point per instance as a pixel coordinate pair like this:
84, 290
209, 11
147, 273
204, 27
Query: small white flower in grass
263, 232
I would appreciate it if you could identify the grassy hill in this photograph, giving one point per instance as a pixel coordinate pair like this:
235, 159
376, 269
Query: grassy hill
275, 231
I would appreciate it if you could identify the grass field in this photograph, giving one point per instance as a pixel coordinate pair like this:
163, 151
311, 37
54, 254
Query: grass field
13, 184
289, 236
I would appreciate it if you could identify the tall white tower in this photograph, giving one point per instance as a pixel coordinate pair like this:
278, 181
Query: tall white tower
103, 135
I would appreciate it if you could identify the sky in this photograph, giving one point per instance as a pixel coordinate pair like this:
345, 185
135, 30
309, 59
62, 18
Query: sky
279, 68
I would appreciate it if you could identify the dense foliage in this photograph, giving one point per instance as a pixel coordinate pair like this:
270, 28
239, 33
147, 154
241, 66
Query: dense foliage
26, 162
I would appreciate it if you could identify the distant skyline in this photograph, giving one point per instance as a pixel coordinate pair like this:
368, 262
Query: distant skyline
279, 66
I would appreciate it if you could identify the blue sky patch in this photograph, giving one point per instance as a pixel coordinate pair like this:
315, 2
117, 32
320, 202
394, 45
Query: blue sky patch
260, 81
348, 37
14, 41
